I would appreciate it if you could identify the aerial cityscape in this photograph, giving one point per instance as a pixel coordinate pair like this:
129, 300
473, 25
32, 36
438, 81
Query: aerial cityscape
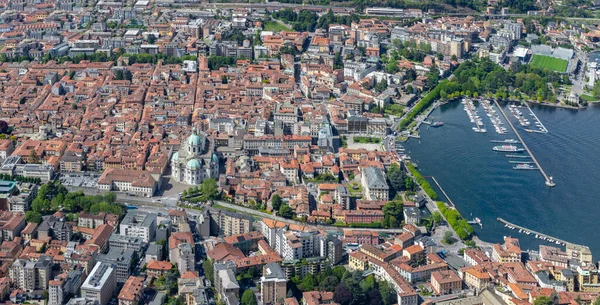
189, 152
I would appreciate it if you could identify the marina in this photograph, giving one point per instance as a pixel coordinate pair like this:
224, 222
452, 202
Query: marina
549, 181
538, 123
494, 118
537, 235
474, 117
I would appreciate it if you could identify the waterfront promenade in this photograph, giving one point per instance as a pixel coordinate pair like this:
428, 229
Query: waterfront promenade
548, 179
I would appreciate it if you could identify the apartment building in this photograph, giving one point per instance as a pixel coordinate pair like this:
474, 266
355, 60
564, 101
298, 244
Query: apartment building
446, 282
228, 223
100, 284
509, 252
29, 275
139, 224
132, 291
273, 284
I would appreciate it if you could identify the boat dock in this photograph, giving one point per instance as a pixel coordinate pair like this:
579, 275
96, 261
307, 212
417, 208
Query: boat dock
538, 122
521, 162
443, 192
505, 141
548, 179
528, 232
517, 156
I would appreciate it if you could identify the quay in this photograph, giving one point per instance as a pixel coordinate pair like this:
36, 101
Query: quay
539, 235
548, 179
443, 192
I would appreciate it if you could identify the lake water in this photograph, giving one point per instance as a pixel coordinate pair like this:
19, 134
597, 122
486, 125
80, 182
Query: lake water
482, 183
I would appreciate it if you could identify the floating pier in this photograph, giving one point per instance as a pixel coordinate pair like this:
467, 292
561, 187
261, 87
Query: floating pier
517, 156
549, 181
521, 162
537, 234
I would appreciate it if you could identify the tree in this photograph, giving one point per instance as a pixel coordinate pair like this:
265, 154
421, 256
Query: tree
543, 300
3, 126
339, 271
447, 237
285, 211
343, 296
437, 217
338, 63
396, 177
329, 283
248, 298
388, 294
33, 216
308, 283
393, 214
209, 189
207, 265
374, 297
597, 302
33, 157
276, 202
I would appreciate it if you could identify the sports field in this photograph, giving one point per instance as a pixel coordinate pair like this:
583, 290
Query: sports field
548, 62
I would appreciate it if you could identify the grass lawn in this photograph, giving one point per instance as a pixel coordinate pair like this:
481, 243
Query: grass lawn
394, 109
275, 26
551, 63
588, 98
367, 140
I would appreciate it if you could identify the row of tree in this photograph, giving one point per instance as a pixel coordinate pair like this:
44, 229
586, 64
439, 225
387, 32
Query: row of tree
460, 225
20, 178
422, 181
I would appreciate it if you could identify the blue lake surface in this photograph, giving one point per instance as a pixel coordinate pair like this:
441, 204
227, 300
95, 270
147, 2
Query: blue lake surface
482, 183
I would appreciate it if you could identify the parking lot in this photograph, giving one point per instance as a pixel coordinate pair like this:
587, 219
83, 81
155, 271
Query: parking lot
79, 180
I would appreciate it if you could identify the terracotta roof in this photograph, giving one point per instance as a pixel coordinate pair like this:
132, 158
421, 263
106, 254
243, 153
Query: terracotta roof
132, 288
159, 265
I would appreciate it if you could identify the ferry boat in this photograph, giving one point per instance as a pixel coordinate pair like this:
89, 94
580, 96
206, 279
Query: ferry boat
524, 166
437, 124
507, 148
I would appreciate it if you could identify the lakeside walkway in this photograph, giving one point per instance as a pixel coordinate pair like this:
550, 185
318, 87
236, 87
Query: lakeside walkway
548, 179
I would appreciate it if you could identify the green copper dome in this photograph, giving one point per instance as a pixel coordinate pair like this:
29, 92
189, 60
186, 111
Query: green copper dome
194, 139
193, 164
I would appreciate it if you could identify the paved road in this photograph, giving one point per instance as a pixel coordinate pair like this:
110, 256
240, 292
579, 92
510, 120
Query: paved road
149, 205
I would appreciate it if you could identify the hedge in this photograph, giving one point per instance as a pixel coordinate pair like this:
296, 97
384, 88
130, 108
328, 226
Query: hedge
422, 181
422, 105
460, 225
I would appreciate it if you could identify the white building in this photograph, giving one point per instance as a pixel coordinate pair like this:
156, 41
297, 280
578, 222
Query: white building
194, 161
100, 284
139, 224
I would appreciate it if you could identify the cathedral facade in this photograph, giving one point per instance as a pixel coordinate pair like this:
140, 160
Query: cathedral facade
194, 161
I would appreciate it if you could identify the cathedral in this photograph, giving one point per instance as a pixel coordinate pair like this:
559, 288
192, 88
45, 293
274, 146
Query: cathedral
194, 161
